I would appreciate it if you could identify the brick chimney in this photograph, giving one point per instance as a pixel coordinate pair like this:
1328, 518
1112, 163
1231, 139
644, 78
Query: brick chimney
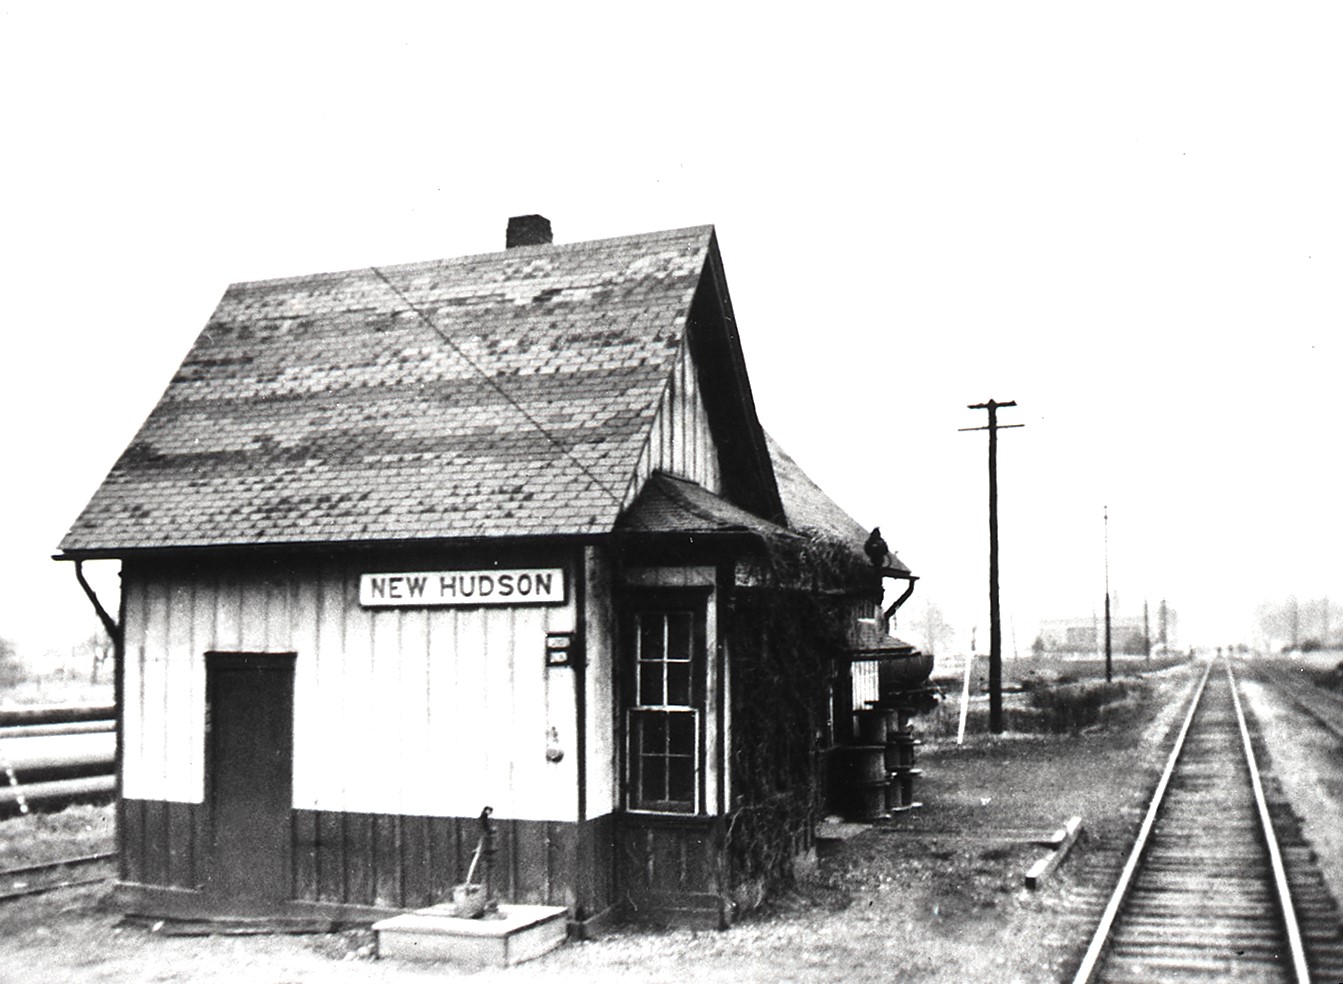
528, 230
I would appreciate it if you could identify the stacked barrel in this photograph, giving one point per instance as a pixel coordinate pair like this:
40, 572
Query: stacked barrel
899, 760
874, 775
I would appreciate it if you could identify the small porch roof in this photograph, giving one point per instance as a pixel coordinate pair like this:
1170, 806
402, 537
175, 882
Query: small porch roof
669, 504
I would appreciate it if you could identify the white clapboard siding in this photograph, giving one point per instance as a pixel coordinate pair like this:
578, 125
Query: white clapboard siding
430, 712
679, 440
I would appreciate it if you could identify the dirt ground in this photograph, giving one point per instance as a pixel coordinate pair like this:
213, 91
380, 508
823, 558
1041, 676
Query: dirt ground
935, 896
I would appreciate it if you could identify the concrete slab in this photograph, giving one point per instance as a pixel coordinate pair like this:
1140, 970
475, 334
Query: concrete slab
517, 933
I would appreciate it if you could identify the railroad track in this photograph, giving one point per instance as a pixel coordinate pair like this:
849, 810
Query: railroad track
1206, 893
36, 879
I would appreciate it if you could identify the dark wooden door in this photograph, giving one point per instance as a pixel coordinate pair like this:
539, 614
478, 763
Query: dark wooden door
250, 715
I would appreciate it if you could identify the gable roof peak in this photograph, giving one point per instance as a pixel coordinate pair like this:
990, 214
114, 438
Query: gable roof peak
502, 394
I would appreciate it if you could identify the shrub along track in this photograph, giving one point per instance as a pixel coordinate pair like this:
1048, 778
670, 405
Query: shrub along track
1205, 892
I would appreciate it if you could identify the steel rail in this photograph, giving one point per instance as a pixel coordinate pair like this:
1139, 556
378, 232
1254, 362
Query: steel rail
24, 893
31, 869
1091, 960
1298, 951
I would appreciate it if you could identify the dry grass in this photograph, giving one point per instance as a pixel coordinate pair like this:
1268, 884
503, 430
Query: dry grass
42, 837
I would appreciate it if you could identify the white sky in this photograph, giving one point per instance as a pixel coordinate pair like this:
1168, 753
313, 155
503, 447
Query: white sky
1126, 217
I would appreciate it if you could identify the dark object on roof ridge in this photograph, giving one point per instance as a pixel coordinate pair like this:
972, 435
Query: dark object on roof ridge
528, 230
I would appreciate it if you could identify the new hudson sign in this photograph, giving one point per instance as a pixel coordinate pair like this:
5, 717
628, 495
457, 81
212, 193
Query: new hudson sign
532, 586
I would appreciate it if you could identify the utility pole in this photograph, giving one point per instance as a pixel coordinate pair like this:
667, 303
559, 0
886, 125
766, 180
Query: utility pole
995, 628
1146, 633
1108, 673
1296, 624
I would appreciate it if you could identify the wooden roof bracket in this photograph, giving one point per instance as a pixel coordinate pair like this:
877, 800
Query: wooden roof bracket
113, 629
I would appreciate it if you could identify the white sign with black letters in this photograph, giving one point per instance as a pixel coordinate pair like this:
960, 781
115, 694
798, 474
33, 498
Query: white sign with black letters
525, 586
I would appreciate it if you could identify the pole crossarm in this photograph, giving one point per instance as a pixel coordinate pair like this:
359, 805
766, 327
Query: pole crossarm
995, 623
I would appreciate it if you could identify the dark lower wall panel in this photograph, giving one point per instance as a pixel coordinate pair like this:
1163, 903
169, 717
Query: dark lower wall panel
597, 866
387, 860
409, 861
669, 869
162, 843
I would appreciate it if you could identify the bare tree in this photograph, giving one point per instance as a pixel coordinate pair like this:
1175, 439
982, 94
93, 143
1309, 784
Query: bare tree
934, 626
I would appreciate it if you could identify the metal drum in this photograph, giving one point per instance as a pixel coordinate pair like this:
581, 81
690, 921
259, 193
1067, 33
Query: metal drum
900, 751
873, 725
860, 763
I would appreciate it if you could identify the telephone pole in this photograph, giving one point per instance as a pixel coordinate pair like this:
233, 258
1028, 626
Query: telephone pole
995, 627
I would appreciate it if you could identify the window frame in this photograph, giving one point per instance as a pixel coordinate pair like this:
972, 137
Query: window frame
662, 602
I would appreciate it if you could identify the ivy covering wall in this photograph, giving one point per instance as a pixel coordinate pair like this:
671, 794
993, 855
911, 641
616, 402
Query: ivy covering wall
789, 624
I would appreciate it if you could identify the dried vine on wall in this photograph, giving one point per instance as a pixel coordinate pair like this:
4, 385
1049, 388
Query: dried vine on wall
787, 628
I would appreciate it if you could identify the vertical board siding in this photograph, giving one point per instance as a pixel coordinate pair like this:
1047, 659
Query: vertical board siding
161, 843
679, 440
396, 711
182, 844
132, 840
389, 860
304, 840
132, 695
182, 760
148, 780
417, 797
308, 752
383, 776
416, 862
329, 857
669, 869
864, 682
599, 628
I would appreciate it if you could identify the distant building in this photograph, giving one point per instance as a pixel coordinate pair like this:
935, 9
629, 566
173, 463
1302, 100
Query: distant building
1086, 636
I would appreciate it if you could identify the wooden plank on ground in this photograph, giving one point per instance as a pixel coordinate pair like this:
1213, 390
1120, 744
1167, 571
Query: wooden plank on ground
1064, 838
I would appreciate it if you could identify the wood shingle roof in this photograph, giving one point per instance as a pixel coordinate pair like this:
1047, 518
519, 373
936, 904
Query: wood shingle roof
501, 394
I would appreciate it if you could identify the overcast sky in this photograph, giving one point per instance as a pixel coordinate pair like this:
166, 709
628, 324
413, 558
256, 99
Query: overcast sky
1126, 217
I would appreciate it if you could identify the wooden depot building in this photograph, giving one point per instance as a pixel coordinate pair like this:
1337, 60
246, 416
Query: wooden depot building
398, 544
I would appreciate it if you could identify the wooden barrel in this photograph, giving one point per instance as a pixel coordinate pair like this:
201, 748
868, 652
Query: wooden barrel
859, 763
873, 725
900, 791
899, 751
868, 800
